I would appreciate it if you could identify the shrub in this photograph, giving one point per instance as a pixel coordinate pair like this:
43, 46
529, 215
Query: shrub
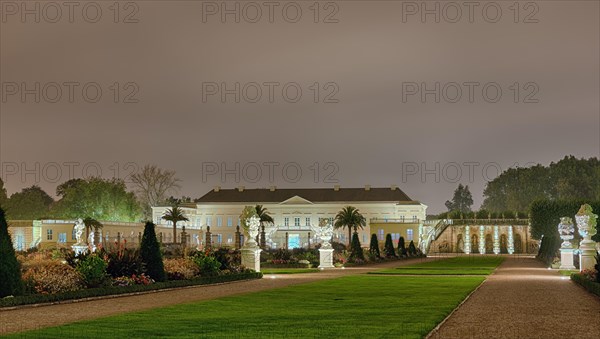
150, 254
229, 259
388, 248
209, 265
123, 262
374, 246
412, 249
282, 254
92, 270
51, 276
180, 269
401, 247
10, 269
356, 250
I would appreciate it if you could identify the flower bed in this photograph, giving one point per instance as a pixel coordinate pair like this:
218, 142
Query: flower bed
585, 282
116, 290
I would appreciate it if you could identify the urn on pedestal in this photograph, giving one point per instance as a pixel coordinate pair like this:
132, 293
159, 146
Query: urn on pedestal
566, 231
586, 224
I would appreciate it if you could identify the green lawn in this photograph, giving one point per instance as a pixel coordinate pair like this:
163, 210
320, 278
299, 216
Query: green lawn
289, 270
463, 265
361, 306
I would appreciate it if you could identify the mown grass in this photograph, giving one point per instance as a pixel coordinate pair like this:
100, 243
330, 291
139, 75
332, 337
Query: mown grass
361, 306
463, 265
289, 270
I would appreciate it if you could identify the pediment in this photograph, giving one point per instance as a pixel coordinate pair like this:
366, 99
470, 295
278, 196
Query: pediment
296, 200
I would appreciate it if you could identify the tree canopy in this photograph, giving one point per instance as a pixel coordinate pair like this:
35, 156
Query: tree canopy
152, 185
568, 179
461, 201
31, 203
97, 198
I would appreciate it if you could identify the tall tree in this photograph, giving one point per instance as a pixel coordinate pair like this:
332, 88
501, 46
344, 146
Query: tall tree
461, 201
3, 196
349, 217
31, 203
96, 198
151, 255
10, 270
174, 215
152, 185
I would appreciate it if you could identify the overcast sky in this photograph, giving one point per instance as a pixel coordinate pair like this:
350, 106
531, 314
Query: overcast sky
174, 63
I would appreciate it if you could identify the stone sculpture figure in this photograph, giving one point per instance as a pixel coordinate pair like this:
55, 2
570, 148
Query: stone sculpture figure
79, 228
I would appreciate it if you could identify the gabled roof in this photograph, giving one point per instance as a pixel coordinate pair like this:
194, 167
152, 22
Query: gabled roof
315, 195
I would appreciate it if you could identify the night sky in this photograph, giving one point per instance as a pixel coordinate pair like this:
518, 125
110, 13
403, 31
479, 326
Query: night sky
170, 65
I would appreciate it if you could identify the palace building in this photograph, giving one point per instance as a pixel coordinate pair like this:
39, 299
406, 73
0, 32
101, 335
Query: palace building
295, 211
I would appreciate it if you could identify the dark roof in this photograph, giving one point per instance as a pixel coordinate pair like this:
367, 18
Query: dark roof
311, 194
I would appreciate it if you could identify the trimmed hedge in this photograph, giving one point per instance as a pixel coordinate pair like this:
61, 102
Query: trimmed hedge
290, 265
116, 290
592, 287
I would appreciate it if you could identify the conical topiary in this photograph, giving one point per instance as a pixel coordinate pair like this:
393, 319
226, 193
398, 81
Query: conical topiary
10, 269
374, 246
401, 247
150, 253
356, 250
388, 248
412, 250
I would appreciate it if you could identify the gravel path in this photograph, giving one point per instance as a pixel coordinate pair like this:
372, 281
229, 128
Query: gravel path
523, 299
44, 316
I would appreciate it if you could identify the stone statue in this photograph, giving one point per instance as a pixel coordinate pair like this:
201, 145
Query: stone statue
324, 232
79, 228
253, 224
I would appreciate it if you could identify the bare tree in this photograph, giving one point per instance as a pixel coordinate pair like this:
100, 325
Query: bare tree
153, 185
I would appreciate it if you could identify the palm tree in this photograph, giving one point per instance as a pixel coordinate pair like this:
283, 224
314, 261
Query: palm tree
351, 218
91, 223
174, 215
263, 214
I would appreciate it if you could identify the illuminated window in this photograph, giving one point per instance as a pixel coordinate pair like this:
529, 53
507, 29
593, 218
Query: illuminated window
62, 237
308, 221
380, 234
49, 234
297, 222
286, 222
409, 234
219, 221
208, 221
229, 222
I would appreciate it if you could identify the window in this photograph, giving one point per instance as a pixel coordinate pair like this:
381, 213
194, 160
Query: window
331, 221
208, 221
62, 237
297, 222
229, 222
308, 221
414, 218
229, 239
286, 222
364, 238
219, 221
198, 221
409, 234
380, 234
49, 234
219, 238
401, 218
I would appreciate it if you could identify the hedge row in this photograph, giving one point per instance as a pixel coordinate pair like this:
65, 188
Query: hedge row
592, 287
290, 265
116, 290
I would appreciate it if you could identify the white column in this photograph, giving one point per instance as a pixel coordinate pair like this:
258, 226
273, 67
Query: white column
511, 240
467, 244
496, 240
481, 239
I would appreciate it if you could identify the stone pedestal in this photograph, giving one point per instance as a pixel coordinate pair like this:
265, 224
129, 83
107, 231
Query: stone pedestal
566, 259
79, 249
587, 254
481, 239
251, 258
511, 240
326, 258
